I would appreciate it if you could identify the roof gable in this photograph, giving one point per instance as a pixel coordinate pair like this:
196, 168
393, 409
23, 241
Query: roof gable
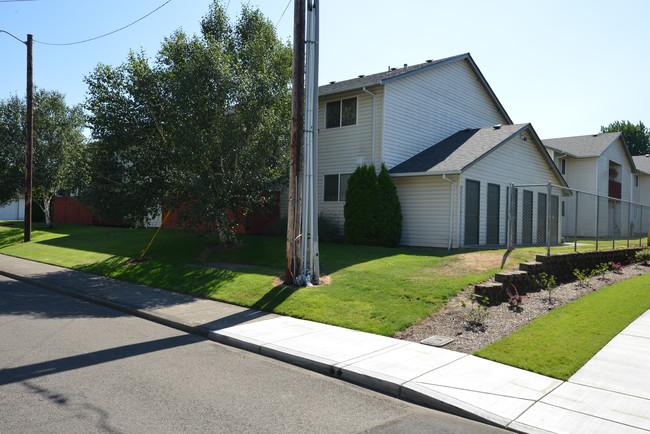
463, 149
591, 146
382, 78
642, 163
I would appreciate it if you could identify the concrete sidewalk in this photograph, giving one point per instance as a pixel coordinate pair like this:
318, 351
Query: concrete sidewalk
611, 393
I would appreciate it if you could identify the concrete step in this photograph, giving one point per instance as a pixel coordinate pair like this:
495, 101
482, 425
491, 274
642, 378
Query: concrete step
531, 267
494, 291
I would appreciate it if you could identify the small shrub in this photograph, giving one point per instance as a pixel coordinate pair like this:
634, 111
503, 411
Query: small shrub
478, 313
643, 256
616, 267
514, 299
600, 270
582, 277
547, 282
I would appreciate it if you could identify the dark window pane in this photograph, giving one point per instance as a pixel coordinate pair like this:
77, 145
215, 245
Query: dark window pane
333, 114
343, 188
349, 112
331, 192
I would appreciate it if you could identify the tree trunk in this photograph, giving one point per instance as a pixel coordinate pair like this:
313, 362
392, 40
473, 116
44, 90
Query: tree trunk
45, 206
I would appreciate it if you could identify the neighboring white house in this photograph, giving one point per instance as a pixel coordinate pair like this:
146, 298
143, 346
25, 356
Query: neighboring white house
13, 211
642, 178
455, 192
600, 164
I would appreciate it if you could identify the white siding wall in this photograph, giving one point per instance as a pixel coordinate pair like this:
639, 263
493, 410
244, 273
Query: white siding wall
423, 109
340, 149
614, 217
425, 202
13, 211
581, 174
516, 161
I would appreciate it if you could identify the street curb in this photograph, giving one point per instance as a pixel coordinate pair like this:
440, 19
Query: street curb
157, 318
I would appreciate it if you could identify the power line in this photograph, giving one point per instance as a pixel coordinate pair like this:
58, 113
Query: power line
17, 39
105, 34
283, 12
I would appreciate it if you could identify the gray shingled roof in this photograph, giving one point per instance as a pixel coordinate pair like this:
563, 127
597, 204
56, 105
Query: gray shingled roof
642, 162
374, 79
458, 151
582, 146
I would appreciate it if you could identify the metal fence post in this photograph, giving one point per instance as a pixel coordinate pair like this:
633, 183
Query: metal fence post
549, 191
629, 215
597, 218
509, 218
575, 226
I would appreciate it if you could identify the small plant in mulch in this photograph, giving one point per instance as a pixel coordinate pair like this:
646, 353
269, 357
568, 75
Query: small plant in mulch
582, 276
616, 267
600, 270
547, 282
514, 298
479, 312
643, 257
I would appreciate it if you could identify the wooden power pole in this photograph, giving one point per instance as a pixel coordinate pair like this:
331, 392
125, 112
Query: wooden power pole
297, 126
30, 142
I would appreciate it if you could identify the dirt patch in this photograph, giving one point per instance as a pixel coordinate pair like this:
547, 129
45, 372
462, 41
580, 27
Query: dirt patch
474, 262
136, 261
324, 280
503, 319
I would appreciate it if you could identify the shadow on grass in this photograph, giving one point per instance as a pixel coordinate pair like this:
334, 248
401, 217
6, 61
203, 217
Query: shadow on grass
274, 298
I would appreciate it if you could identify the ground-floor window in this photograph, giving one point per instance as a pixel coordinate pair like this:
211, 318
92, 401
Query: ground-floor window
335, 187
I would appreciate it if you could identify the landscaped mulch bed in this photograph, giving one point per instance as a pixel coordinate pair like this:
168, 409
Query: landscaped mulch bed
503, 319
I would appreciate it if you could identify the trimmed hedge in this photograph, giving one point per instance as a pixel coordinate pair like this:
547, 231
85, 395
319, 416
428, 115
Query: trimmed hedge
372, 211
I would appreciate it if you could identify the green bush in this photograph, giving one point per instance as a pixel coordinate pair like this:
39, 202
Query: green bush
372, 211
389, 218
360, 206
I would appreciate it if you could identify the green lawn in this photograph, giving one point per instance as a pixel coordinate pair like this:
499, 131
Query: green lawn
562, 341
374, 289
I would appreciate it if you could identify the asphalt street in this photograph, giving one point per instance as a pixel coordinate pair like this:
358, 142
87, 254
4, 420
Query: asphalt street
71, 366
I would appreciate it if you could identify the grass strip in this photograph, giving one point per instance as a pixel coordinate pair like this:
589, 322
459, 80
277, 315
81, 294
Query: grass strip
562, 341
373, 289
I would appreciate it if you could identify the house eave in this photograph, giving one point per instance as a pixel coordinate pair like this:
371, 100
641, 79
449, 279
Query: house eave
427, 173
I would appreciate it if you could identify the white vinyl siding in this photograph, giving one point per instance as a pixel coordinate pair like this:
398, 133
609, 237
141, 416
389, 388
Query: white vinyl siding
427, 107
499, 167
341, 150
425, 203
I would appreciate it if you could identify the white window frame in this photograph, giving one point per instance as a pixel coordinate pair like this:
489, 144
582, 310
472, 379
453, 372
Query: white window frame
338, 186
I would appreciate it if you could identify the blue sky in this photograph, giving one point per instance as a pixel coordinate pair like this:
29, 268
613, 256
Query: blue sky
567, 67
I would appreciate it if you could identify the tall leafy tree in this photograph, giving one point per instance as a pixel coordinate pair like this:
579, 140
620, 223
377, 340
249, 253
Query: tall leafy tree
637, 137
59, 148
202, 129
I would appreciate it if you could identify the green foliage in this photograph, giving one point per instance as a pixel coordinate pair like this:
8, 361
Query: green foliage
361, 207
582, 276
59, 148
600, 270
643, 256
389, 218
202, 129
479, 312
372, 210
546, 282
637, 137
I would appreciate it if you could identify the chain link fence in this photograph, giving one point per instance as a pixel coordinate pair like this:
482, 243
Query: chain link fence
551, 216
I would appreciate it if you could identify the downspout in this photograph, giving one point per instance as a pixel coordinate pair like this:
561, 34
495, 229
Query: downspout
451, 210
374, 105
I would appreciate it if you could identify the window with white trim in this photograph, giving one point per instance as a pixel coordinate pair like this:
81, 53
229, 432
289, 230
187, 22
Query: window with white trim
341, 113
562, 164
335, 187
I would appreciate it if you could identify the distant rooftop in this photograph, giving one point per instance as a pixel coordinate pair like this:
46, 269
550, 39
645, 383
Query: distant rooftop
582, 146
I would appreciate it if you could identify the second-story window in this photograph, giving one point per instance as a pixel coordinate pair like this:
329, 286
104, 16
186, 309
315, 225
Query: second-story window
341, 113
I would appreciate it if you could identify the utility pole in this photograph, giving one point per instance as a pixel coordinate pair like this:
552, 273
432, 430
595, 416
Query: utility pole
297, 120
30, 142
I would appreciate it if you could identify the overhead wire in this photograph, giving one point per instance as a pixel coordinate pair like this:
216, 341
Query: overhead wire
16, 38
283, 12
105, 34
